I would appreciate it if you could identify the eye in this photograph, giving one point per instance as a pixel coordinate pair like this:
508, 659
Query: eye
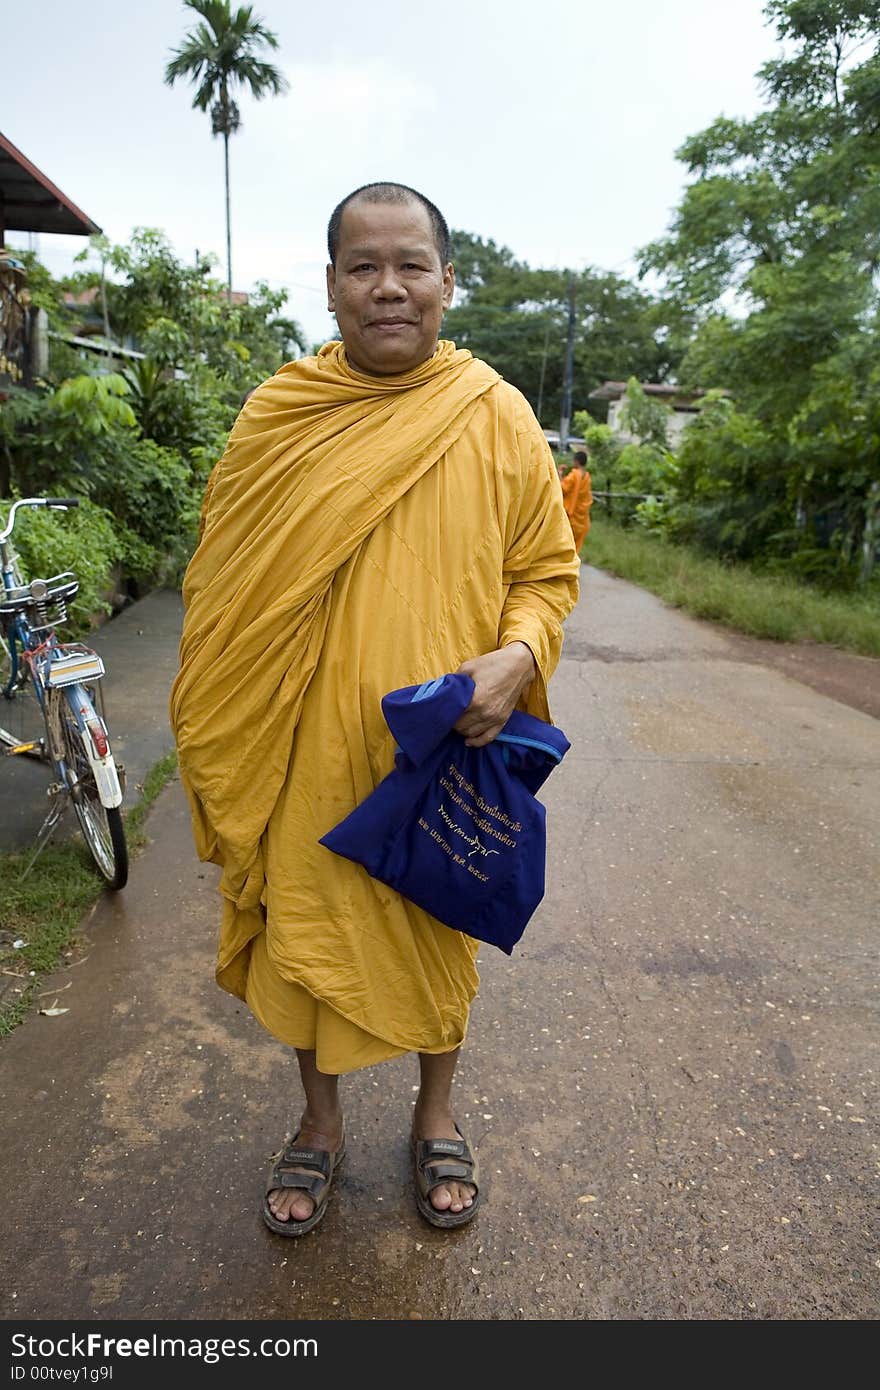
362, 265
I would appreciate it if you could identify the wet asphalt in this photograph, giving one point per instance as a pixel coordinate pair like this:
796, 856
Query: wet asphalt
671, 1084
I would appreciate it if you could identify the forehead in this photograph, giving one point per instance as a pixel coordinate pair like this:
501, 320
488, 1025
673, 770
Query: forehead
367, 224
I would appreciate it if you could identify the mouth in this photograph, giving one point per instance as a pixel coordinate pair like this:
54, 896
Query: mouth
389, 325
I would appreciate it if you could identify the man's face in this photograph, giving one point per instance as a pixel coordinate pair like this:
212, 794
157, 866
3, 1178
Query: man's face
388, 288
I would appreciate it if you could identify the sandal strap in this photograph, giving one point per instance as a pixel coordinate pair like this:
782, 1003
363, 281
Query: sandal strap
316, 1160
312, 1183
443, 1160
444, 1148
437, 1173
288, 1172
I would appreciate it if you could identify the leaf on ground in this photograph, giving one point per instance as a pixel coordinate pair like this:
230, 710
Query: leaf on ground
52, 1012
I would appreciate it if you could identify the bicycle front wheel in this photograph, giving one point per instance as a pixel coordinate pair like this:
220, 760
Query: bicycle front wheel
102, 826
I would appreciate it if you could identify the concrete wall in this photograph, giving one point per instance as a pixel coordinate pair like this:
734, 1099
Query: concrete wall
678, 420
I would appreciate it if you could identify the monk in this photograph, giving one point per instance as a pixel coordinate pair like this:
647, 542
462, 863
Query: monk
577, 498
385, 512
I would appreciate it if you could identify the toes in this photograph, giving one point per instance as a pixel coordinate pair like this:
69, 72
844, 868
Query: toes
462, 1196
277, 1204
453, 1197
301, 1208
284, 1206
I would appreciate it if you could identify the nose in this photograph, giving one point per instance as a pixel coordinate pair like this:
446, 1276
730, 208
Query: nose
388, 284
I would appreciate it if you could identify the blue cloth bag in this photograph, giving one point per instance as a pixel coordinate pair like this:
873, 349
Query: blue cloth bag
457, 830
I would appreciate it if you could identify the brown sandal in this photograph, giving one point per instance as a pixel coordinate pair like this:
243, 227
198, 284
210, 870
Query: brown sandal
315, 1183
429, 1173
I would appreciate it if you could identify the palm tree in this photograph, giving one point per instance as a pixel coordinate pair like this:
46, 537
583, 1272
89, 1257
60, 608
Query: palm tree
218, 55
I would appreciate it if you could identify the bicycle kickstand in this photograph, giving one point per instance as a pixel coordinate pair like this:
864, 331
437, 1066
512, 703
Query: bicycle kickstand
58, 795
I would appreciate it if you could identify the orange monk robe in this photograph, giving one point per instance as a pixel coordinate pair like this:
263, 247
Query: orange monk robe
580, 514
570, 485
577, 499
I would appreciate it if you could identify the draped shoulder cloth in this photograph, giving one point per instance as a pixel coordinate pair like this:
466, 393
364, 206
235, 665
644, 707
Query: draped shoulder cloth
317, 457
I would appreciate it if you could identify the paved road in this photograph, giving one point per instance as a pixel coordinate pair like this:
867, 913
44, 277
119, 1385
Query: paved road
672, 1084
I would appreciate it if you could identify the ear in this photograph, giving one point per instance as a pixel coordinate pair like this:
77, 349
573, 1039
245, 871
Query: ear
448, 285
331, 288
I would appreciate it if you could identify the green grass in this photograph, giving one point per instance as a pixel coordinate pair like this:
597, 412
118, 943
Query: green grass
760, 605
45, 908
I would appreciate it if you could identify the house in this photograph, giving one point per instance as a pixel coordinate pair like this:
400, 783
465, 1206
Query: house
683, 406
29, 202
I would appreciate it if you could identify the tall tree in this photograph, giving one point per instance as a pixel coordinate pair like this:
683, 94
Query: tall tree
218, 56
776, 247
516, 318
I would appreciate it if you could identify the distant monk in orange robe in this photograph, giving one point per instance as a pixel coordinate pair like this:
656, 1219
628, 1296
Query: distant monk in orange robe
577, 498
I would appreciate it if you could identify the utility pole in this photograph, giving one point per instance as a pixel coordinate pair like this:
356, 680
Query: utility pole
228, 228
568, 379
104, 314
543, 368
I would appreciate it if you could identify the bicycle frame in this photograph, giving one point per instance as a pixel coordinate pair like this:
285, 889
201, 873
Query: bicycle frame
53, 664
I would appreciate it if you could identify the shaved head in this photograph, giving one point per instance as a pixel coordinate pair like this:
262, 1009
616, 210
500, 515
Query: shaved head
391, 193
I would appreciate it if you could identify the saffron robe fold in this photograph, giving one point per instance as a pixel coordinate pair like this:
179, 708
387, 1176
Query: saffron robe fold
358, 533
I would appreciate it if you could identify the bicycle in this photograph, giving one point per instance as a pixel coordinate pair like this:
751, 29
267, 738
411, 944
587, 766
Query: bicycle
62, 677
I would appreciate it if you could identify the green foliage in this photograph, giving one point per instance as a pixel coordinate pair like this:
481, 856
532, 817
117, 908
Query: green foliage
602, 444
219, 55
46, 907
776, 245
93, 405
760, 604
183, 320
155, 499
218, 58
516, 319
644, 417
57, 440
645, 466
44, 292
83, 540
139, 446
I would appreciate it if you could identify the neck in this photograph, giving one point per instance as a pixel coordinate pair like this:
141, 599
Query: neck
392, 371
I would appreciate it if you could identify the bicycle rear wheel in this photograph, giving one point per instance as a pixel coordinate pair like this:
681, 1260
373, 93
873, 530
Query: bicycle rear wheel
102, 826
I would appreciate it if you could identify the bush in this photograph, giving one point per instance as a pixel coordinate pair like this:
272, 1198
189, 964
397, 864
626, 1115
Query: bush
82, 540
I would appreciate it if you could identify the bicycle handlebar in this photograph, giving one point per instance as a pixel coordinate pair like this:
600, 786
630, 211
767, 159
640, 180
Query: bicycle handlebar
56, 503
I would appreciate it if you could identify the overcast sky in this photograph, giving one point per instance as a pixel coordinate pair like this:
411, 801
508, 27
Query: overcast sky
550, 126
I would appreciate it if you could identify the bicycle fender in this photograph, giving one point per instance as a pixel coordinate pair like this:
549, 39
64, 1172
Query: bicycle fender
106, 779
96, 740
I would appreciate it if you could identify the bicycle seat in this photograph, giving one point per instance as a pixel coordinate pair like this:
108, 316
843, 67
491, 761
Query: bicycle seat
61, 588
